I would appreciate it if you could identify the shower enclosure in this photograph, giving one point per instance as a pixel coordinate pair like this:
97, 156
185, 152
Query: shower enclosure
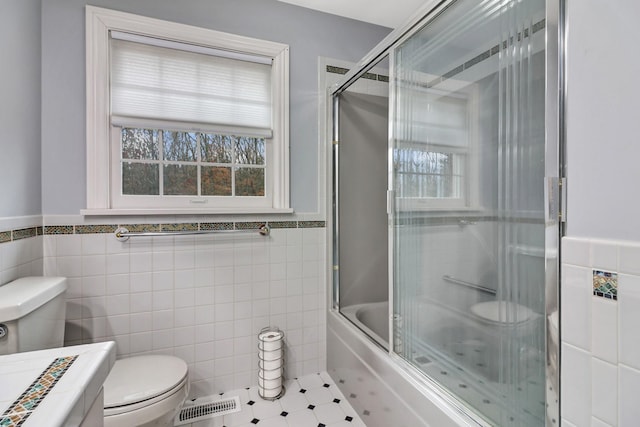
446, 222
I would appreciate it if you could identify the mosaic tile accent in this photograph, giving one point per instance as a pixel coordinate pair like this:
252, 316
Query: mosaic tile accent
95, 229
188, 226
337, 70
312, 224
605, 284
40, 231
216, 226
248, 225
5, 236
283, 224
29, 400
141, 228
58, 229
478, 59
368, 76
24, 233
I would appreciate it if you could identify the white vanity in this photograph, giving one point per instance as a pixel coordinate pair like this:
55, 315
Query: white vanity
55, 387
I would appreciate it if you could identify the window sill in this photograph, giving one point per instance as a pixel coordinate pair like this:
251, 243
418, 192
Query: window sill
219, 211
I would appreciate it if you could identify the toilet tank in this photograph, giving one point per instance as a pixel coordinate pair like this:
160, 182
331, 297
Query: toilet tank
32, 313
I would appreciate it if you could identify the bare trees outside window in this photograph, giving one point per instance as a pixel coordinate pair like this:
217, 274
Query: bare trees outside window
178, 163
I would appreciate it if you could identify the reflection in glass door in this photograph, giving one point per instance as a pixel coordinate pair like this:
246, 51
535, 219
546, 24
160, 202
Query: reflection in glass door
468, 163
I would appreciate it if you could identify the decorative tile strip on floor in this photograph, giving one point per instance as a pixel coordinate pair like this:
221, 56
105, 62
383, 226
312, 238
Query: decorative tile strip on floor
310, 401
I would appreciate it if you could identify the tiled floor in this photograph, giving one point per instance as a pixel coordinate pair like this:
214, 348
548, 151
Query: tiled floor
310, 401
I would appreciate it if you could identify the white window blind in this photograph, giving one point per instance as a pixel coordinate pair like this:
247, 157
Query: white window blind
175, 85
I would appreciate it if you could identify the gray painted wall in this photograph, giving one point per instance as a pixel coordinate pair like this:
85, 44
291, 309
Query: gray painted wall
309, 34
20, 177
364, 242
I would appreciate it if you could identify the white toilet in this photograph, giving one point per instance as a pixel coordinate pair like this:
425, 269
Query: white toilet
145, 391
139, 391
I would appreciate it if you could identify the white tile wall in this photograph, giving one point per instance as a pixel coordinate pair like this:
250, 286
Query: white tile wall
20, 258
600, 345
576, 385
202, 298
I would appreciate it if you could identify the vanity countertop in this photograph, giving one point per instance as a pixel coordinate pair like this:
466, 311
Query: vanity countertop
54, 387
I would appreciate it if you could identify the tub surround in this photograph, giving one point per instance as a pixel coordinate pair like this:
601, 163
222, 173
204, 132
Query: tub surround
59, 386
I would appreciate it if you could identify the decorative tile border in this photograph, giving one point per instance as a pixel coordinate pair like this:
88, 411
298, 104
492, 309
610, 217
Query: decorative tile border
58, 229
485, 55
29, 400
19, 234
369, 76
25, 233
282, 224
605, 284
337, 70
141, 228
5, 236
207, 226
248, 225
52, 230
95, 229
538, 26
312, 224
189, 226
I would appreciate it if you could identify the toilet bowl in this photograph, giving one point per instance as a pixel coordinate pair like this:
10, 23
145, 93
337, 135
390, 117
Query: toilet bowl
145, 391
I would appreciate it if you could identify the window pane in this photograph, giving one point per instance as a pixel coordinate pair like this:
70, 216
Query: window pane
139, 144
140, 179
427, 173
216, 148
180, 180
179, 146
249, 182
216, 181
249, 151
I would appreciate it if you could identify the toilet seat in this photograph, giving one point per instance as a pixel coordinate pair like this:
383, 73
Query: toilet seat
137, 382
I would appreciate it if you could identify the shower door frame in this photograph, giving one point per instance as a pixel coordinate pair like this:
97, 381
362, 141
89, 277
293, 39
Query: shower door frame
554, 185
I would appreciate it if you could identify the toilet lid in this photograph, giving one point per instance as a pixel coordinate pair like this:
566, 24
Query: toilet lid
502, 311
139, 378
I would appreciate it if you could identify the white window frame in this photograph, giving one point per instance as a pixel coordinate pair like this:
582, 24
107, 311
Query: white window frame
468, 155
100, 159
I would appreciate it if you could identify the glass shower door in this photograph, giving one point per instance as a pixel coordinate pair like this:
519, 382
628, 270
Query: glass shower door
468, 217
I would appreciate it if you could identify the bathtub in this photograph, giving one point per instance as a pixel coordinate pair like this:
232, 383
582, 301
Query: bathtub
457, 338
372, 319
452, 332
383, 388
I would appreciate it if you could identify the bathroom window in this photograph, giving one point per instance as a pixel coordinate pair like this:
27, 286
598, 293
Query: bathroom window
183, 119
430, 173
433, 159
